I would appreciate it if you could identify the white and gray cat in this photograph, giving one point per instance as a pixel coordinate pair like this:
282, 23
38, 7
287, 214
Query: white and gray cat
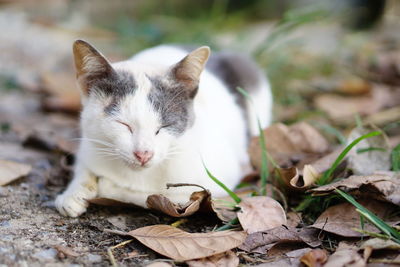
154, 119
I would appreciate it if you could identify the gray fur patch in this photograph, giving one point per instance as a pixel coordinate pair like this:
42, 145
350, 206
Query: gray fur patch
115, 85
235, 70
173, 103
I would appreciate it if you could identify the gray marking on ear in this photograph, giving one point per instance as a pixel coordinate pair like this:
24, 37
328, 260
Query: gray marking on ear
174, 104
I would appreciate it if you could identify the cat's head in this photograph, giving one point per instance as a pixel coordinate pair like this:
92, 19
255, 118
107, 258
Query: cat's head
131, 115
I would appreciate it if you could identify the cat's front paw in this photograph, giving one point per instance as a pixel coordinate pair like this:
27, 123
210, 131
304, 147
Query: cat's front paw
71, 205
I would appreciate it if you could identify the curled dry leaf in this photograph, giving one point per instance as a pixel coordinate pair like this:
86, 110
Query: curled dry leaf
341, 219
285, 144
381, 186
11, 170
315, 258
369, 155
163, 204
260, 214
226, 259
183, 246
263, 241
301, 180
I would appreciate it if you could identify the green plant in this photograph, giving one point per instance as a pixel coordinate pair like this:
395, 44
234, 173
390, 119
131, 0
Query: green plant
396, 158
326, 177
371, 217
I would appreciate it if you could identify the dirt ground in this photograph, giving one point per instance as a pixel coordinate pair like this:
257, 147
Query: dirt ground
31, 229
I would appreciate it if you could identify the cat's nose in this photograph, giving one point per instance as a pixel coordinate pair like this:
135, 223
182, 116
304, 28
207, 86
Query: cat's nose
143, 156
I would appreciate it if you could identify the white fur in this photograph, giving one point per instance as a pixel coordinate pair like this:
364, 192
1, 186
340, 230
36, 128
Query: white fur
218, 136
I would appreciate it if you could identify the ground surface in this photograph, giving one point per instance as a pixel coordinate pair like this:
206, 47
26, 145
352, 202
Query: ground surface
33, 233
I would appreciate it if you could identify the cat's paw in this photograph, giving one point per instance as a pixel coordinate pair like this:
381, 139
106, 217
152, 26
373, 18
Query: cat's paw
71, 205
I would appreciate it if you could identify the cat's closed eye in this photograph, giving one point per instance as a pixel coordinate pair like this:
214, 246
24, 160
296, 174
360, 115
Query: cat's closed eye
164, 126
125, 124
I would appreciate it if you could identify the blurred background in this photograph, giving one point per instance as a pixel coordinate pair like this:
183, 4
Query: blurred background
307, 47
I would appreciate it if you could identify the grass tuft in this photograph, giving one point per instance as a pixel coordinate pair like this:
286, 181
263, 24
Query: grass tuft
370, 216
326, 177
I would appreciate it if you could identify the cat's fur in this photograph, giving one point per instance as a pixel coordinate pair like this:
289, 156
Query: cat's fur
153, 119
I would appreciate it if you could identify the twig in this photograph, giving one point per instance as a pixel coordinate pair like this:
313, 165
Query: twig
115, 232
184, 184
111, 255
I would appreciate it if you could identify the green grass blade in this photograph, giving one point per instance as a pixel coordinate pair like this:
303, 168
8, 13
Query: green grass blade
229, 225
396, 158
264, 155
222, 185
375, 220
367, 149
327, 175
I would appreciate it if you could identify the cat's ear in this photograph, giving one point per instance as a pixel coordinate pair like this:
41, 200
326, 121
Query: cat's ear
90, 65
188, 70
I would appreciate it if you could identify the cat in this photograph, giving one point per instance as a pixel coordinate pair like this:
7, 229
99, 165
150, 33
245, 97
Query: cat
157, 118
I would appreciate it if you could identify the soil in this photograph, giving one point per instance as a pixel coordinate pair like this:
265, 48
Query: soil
31, 230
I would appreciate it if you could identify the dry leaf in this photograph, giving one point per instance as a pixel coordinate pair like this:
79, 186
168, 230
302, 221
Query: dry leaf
315, 258
286, 144
341, 219
11, 170
226, 259
301, 180
64, 94
261, 242
293, 219
161, 203
183, 246
260, 214
310, 175
343, 108
384, 186
344, 258
159, 264
368, 162
223, 208
379, 243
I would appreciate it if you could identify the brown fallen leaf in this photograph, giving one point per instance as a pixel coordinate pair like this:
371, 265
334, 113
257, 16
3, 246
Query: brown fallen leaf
198, 200
380, 186
226, 259
289, 259
183, 246
159, 264
64, 94
353, 86
379, 243
342, 108
11, 170
315, 258
341, 219
345, 256
261, 242
260, 213
377, 154
288, 144
301, 179
293, 219
224, 208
